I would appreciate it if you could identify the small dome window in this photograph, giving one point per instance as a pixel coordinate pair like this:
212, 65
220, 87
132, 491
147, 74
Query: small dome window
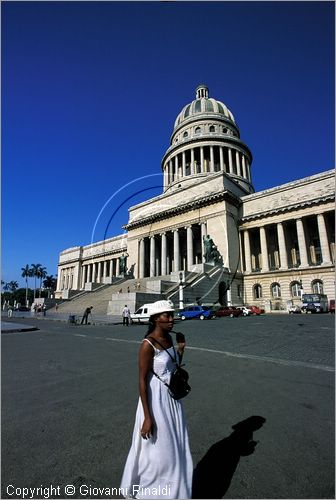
225, 130
198, 106
185, 135
220, 108
197, 130
212, 128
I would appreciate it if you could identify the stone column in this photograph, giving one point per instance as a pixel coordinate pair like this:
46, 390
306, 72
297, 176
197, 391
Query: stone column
142, 259
176, 168
59, 279
190, 250
238, 163
163, 254
247, 249
244, 167
176, 250
202, 159
263, 246
230, 161
117, 267
94, 272
221, 158
152, 256
282, 246
171, 177
212, 162
192, 162
323, 235
99, 273
111, 268
248, 170
241, 263
183, 164
302, 243
83, 276
89, 274
105, 269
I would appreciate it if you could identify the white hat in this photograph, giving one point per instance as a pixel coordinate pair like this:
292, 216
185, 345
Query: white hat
161, 306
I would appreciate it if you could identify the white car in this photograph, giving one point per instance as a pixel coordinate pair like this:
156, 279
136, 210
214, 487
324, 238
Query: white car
141, 315
246, 310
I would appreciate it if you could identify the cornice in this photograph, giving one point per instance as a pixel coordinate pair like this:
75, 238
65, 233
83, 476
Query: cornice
290, 208
186, 207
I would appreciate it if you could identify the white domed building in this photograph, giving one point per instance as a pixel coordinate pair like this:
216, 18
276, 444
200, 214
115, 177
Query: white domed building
209, 238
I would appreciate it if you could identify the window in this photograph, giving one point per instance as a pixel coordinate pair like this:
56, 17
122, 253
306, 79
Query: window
239, 291
295, 288
225, 130
276, 290
208, 106
211, 128
317, 286
198, 130
185, 135
257, 291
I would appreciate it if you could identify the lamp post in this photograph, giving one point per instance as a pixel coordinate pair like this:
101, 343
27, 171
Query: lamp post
181, 291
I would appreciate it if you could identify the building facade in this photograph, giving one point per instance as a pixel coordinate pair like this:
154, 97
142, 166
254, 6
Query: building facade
271, 245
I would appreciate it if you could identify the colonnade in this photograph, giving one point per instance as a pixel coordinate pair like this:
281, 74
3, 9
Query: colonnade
90, 272
300, 242
171, 251
207, 158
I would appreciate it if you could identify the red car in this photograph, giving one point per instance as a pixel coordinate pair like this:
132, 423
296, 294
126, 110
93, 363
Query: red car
256, 310
231, 311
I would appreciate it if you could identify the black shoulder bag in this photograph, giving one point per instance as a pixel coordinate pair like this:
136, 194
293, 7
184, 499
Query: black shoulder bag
178, 386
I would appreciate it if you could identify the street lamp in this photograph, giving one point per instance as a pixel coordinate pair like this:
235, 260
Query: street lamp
181, 291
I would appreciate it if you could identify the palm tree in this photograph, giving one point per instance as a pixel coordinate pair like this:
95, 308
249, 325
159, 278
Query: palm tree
35, 273
13, 285
6, 286
50, 283
26, 273
41, 274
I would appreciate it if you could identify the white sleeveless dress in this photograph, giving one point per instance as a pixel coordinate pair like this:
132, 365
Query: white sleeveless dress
161, 466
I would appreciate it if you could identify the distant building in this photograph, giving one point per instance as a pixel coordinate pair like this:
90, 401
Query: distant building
265, 248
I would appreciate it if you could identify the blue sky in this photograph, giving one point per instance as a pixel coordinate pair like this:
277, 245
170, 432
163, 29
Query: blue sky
91, 90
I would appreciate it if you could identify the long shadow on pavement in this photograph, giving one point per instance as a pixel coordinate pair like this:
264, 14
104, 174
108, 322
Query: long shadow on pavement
214, 472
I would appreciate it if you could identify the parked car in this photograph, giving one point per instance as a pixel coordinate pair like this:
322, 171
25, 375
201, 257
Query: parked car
246, 310
256, 310
231, 311
294, 310
332, 306
141, 315
310, 308
198, 312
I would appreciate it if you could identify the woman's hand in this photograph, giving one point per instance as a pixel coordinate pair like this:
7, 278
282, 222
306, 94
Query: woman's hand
147, 428
181, 343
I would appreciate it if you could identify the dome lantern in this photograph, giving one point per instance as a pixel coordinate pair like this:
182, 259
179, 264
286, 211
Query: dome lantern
202, 91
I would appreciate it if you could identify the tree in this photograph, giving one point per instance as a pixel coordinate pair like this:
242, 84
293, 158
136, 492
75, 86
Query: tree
26, 273
41, 274
35, 274
12, 286
50, 284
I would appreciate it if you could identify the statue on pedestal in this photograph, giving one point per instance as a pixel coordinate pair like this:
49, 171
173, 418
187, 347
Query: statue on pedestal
211, 253
122, 264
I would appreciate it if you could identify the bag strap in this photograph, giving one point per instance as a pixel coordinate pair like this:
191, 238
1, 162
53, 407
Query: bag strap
175, 357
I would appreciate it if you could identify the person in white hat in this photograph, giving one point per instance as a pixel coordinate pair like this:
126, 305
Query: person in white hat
159, 463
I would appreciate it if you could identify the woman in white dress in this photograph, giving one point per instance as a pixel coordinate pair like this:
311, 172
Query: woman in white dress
159, 463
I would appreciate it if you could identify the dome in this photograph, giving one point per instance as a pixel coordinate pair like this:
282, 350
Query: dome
203, 104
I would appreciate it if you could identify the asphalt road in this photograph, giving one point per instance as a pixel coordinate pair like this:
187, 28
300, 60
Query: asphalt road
69, 395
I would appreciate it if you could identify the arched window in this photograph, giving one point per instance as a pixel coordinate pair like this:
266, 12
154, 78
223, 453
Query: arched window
257, 291
276, 290
198, 130
211, 128
185, 135
317, 286
295, 288
225, 130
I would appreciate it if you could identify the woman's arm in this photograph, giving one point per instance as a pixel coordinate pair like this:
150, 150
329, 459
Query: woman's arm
145, 366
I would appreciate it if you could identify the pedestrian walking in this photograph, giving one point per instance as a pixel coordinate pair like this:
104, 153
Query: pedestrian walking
86, 315
44, 309
159, 463
126, 314
10, 312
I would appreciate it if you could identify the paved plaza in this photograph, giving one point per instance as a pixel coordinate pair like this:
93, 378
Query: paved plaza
69, 395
